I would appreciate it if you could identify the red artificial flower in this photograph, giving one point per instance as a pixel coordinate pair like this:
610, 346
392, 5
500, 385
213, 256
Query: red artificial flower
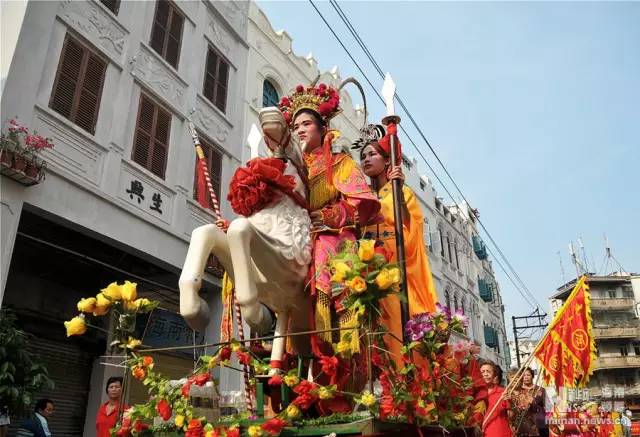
147, 361
285, 101
164, 409
186, 388
225, 353
275, 380
200, 379
304, 387
299, 88
304, 401
384, 252
322, 87
274, 426
244, 357
325, 108
139, 373
194, 429
123, 432
140, 426
329, 365
287, 117
233, 432
253, 187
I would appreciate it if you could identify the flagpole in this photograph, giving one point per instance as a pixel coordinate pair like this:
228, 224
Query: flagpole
388, 92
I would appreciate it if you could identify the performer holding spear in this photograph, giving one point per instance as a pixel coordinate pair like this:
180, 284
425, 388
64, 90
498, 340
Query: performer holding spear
401, 233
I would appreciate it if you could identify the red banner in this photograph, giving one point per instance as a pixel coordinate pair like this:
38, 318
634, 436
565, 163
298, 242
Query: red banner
567, 351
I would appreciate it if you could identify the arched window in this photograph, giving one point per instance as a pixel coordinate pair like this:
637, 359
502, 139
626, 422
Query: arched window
441, 232
450, 259
455, 250
269, 94
455, 303
447, 298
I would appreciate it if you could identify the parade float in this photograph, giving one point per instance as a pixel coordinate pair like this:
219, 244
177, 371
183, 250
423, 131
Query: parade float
314, 368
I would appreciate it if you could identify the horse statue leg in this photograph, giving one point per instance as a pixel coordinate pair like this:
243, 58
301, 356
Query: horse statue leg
240, 235
205, 240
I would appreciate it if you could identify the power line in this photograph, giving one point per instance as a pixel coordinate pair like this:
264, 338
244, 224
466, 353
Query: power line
365, 49
522, 288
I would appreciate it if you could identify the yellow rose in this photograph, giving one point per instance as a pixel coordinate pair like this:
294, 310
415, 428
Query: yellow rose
325, 393
292, 411
343, 347
76, 326
255, 431
357, 285
133, 343
208, 434
368, 399
128, 291
394, 274
102, 305
384, 280
291, 380
142, 303
179, 420
113, 291
366, 250
87, 305
341, 271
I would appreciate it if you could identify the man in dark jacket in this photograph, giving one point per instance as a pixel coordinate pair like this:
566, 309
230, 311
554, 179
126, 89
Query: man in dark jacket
38, 423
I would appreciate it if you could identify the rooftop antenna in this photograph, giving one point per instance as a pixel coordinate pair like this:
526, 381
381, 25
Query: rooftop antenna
609, 256
584, 255
574, 259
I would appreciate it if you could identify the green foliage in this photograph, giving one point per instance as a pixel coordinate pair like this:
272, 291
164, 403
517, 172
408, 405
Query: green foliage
21, 373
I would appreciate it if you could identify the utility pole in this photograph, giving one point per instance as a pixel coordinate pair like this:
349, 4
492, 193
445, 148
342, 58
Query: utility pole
522, 323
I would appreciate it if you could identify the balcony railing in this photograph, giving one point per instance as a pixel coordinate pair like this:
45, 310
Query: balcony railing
618, 362
479, 247
612, 303
616, 331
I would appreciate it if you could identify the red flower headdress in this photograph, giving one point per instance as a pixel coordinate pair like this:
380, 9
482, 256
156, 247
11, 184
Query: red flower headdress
323, 99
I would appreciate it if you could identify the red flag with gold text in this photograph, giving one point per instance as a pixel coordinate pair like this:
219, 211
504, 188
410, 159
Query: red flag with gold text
567, 351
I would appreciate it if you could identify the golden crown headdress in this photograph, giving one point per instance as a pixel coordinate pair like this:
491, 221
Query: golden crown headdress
323, 99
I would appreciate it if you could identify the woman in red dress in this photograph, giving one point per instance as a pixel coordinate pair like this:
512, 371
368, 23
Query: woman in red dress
109, 411
497, 423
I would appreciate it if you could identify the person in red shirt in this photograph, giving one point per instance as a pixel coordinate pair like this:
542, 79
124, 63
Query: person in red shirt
109, 411
497, 423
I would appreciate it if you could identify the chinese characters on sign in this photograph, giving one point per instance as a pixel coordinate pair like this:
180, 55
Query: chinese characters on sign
168, 329
135, 192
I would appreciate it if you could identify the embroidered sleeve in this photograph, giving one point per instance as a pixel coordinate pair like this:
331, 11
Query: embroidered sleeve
338, 215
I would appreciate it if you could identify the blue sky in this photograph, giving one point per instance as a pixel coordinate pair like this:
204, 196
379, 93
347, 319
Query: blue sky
533, 107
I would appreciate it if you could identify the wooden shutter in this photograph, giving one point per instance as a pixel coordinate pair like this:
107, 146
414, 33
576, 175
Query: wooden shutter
214, 164
151, 140
216, 79
77, 88
112, 5
166, 34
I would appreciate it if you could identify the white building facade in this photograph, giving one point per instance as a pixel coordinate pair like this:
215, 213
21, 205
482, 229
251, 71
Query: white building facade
113, 83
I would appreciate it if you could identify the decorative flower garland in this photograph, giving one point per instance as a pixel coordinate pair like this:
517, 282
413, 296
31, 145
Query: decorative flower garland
439, 383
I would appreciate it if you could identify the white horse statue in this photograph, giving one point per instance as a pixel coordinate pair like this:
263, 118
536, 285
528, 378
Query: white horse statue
267, 256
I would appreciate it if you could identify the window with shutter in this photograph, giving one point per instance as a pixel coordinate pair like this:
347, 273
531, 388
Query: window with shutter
77, 88
216, 79
269, 95
151, 140
166, 33
214, 164
112, 5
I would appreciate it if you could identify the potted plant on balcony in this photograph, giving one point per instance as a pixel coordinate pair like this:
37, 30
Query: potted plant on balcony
19, 153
